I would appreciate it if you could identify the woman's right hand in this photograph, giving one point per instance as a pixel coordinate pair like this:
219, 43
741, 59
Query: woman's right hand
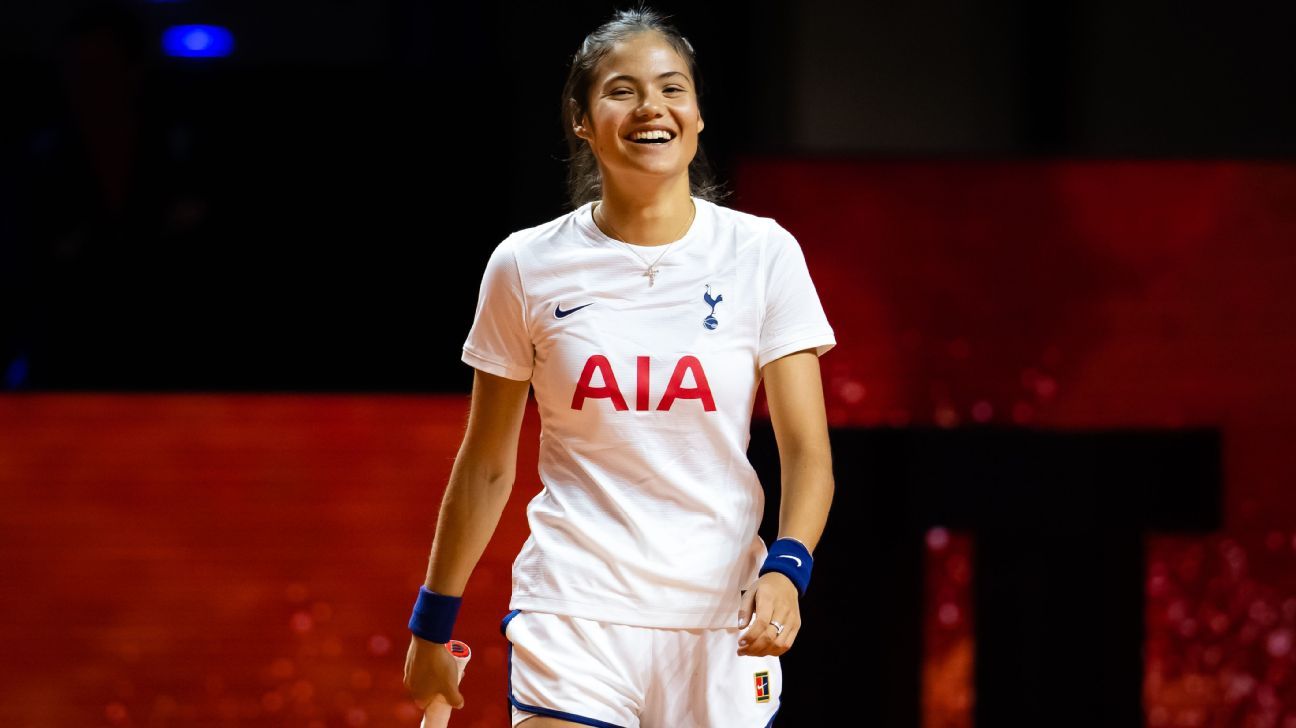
431, 672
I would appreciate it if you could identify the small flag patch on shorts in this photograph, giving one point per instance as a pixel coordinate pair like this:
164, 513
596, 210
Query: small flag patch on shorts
762, 687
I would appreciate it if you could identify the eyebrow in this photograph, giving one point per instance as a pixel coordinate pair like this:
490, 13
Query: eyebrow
628, 77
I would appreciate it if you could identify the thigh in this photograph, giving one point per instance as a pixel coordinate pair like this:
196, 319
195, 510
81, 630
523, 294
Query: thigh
700, 681
574, 671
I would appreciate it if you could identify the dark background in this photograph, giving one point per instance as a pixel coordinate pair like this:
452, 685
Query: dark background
314, 211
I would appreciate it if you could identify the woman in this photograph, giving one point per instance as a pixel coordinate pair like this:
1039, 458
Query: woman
644, 319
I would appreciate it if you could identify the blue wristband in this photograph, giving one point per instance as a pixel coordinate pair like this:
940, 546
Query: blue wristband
792, 559
434, 615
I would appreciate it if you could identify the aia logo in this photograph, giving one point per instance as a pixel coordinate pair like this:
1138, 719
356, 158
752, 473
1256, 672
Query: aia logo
675, 389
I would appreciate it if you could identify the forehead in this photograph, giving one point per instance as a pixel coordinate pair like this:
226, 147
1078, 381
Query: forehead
645, 57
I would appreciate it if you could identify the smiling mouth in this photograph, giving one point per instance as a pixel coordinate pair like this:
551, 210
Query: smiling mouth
655, 139
653, 142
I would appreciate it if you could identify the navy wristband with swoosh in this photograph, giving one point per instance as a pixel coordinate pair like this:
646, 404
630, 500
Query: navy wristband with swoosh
792, 559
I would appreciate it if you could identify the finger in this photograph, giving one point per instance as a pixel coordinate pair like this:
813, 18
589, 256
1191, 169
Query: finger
746, 607
764, 607
754, 633
768, 603
791, 637
772, 642
783, 641
764, 644
759, 644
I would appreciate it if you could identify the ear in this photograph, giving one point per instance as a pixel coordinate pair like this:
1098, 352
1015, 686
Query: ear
579, 126
701, 124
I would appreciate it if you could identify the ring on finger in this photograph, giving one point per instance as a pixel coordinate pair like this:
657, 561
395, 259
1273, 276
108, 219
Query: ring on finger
778, 628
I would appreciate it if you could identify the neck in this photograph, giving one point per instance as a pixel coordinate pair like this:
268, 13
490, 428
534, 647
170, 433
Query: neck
652, 217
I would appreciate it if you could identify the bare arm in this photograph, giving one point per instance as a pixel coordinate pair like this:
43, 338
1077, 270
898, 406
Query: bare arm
480, 482
795, 395
794, 392
479, 487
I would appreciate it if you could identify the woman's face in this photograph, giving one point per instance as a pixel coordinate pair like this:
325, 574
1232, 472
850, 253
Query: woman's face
643, 83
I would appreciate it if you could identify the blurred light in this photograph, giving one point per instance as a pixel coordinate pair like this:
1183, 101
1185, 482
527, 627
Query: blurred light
1261, 613
1045, 387
853, 392
301, 622
948, 614
945, 416
197, 41
937, 538
116, 713
379, 645
1022, 412
16, 372
1279, 643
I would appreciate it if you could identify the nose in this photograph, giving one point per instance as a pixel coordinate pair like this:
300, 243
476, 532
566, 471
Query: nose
649, 107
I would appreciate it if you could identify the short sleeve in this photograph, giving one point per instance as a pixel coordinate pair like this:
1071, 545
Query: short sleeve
499, 341
794, 317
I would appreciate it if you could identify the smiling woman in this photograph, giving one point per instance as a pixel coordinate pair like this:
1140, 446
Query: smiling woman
644, 595
635, 74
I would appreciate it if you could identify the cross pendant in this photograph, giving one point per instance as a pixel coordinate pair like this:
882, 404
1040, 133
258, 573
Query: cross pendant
652, 275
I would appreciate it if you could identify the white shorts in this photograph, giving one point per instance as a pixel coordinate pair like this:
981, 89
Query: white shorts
619, 676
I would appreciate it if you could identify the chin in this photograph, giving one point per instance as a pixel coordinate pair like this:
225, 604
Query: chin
664, 173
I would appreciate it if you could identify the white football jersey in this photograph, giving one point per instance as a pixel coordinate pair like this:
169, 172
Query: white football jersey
649, 511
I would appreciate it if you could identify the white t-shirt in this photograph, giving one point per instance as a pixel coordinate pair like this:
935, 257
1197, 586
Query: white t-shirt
650, 508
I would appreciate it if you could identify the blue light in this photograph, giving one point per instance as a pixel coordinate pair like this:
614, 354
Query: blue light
16, 373
197, 41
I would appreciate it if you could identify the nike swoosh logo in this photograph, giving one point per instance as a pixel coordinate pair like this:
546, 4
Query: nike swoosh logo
559, 313
785, 556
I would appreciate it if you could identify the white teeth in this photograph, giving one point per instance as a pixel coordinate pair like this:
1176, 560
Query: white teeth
656, 134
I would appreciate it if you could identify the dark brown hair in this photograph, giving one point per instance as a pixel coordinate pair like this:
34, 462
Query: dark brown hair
584, 181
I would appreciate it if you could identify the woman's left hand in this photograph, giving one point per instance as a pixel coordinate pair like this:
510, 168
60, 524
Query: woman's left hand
773, 598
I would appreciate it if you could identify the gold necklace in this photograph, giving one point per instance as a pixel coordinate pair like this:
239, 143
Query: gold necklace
652, 270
